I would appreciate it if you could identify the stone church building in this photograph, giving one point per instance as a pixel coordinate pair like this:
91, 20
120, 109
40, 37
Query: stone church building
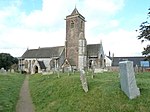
76, 54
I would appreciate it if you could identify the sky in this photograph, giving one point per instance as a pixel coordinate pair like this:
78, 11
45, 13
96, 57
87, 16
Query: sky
30, 24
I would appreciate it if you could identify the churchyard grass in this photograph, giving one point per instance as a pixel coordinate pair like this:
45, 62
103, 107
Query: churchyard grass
10, 85
65, 94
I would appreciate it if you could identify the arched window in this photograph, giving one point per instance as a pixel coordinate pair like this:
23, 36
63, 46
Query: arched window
72, 24
26, 64
101, 60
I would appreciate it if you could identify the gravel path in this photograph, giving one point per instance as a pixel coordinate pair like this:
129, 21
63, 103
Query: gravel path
25, 102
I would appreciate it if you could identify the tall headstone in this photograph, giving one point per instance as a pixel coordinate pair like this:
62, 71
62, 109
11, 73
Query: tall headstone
127, 79
58, 73
83, 80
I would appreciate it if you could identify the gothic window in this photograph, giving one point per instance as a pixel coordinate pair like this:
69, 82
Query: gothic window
52, 63
26, 64
72, 24
90, 64
33, 62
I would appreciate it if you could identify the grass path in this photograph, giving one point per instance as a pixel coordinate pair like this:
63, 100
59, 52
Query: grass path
25, 102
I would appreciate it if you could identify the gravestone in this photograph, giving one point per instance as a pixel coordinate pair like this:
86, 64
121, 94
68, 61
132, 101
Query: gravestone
136, 69
83, 80
98, 70
127, 79
58, 73
3, 71
93, 69
12, 71
93, 73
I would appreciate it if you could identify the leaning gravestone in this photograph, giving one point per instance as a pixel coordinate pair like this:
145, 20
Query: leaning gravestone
83, 80
127, 79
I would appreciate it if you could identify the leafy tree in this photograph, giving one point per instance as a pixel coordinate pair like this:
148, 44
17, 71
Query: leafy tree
6, 61
144, 35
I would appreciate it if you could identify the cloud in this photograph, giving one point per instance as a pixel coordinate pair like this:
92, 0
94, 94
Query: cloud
50, 15
104, 6
46, 27
122, 43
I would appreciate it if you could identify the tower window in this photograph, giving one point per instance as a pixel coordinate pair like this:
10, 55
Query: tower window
81, 24
72, 24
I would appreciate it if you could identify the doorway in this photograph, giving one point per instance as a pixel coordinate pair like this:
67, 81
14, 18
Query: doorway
36, 69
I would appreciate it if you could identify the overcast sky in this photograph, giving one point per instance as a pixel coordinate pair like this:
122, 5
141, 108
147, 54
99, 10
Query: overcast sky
40, 23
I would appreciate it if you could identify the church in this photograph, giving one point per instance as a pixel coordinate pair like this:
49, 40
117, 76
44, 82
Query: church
76, 54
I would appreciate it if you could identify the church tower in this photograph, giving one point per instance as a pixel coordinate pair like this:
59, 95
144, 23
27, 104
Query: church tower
75, 24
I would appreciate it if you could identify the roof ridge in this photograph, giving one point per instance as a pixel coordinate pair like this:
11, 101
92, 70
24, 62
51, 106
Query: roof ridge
93, 44
46, 47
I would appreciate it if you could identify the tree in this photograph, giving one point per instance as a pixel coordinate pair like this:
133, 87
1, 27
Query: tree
6, 61
144, 35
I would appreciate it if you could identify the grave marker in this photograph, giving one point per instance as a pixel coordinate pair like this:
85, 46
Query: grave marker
3, 71
83, 80
127, 79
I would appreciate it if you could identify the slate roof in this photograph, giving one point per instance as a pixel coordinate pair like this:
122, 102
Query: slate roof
47, 52
93, 50
109, 57
75, 11
71, 62
136, 60
41, 64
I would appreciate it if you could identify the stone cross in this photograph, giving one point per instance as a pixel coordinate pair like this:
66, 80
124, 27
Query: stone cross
127, 79
83, 80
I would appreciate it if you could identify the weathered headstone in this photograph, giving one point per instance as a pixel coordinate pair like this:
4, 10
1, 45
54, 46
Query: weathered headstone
3, 71
127, 79
93, 69
98, 70
12, 70
58, 73
83, 80
93, 73
136, 69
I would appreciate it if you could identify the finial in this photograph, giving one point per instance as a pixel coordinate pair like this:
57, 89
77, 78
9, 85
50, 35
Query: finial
109, 54
75, 5
27, 48
113, 55
100, 41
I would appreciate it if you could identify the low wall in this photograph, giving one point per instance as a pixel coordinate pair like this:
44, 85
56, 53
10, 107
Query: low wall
136, 69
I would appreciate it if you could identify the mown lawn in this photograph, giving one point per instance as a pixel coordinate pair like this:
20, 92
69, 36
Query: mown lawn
10, 85
65, 94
